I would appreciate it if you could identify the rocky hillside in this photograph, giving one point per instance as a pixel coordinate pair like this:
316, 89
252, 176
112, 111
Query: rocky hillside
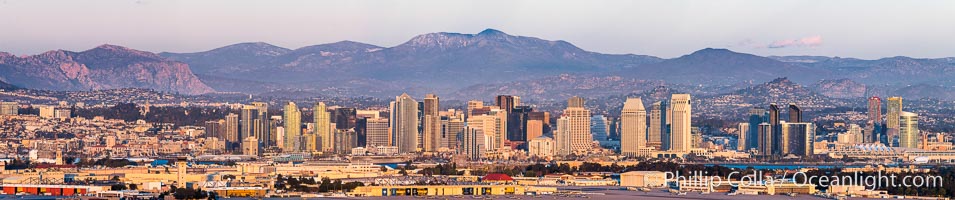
103, 67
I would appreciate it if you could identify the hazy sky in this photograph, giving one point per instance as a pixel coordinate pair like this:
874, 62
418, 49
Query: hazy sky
863, 28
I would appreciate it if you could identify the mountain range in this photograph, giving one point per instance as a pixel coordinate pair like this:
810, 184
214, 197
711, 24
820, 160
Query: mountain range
465, 66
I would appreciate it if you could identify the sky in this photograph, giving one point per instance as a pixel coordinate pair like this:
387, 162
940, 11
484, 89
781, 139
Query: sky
866, 29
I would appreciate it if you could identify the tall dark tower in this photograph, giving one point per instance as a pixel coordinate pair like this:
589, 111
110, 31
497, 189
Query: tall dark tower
795, 114
777, 133
507, 102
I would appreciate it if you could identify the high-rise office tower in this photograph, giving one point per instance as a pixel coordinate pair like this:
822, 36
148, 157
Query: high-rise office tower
473, 142
517, 123
293, 127
742, 137
598, 127
231, 132
776, 129
799, 138
765, 137
213, 129
680, 126
323, 127
575, 133
431, 124
756, 117
908, 130
345, 118
507, 102
875, 109
263, 129
376, 132
495, 127
452, 131
656, 136
892, 114
633, 127
404, 123
795, 114
563, 137
345, 140
247, 122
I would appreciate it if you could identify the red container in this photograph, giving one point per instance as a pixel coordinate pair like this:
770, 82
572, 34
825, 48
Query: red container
10, 190
33, 190
69, 191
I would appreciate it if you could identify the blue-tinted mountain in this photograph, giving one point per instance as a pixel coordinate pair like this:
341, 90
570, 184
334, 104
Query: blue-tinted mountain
103, 67
722, 66
234, 58
445, 60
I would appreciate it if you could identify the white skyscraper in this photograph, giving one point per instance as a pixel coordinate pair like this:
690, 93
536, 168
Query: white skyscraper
573, 128
633, 127
404, 123
680, 138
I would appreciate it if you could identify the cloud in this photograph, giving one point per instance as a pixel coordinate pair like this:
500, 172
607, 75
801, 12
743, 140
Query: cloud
812, 41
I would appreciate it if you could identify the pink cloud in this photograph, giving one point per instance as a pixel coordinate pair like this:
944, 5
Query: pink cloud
811, 41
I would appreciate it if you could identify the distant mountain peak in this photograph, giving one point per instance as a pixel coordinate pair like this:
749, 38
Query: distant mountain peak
491, 31
109, 50
713, 51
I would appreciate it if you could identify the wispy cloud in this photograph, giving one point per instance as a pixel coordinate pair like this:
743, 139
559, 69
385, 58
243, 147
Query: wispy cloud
812, 41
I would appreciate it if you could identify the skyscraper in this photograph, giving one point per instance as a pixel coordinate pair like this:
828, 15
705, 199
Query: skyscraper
633, 127
453, 129
507, 102
573, 128
875, 109
293, 127
680, 126
908, 130
517, 123
795, 114
765, 137
495, 127
377, 132
231, 132
431, 121
598, 127
473, 142
263, 128
776, 129
756, 117
742, 137
658, 136
404, 123
247, 123
323, 129
345, 118
893, 112
799, 138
